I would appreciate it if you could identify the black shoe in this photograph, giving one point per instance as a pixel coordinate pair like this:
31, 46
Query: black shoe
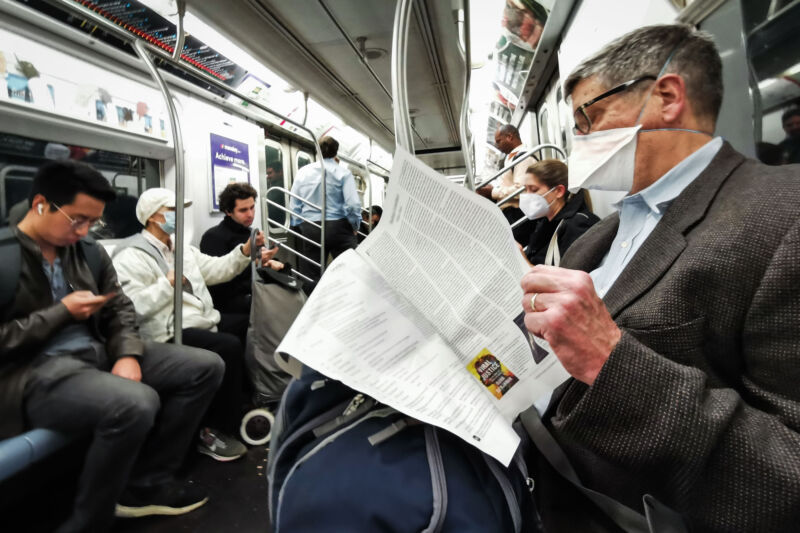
172, 499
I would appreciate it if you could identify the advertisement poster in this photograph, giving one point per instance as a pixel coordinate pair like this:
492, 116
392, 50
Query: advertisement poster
230, 163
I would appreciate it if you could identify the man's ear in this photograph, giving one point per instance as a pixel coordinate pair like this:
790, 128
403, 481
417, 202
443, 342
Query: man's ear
671, 92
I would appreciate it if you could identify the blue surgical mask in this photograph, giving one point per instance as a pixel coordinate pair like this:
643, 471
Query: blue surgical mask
169, 222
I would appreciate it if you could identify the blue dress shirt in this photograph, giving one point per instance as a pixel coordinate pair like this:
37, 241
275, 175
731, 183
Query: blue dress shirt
343, 200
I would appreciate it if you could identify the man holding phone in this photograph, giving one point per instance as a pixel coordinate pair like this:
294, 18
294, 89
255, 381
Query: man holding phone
71, 359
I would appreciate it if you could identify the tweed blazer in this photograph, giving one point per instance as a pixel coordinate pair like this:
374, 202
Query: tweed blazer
699, 403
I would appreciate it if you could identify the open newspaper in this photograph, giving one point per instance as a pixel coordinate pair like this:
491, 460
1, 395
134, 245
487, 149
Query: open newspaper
426, 315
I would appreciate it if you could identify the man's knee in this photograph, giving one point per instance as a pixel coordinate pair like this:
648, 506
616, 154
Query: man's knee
204, 366
133, 405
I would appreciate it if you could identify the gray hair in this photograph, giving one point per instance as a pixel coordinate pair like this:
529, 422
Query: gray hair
644, 51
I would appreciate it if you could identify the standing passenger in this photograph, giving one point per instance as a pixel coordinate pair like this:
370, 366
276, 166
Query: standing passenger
343, 207
508, 141
73, 361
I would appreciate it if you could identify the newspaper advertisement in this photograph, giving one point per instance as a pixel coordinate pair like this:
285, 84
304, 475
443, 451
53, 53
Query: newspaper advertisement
426, 315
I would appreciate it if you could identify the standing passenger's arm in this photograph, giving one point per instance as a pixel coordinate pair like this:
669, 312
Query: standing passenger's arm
352, 203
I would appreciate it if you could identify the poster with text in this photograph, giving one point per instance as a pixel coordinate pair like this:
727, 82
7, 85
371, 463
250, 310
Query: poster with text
230, 163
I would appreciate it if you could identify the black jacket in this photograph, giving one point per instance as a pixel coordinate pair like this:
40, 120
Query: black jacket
35, 318
577, 219
232, 296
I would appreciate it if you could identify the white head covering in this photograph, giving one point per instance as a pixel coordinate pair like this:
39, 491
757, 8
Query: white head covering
152, 200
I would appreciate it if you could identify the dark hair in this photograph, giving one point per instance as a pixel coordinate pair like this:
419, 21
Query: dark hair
644, 52
61, 181
377, 209
508, 129
550, 172
791, 112
277, 166
329, 147
233, 192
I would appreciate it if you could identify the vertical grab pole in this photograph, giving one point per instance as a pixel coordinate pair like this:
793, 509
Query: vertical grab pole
179, 38
465, 134
402, 120
179, 186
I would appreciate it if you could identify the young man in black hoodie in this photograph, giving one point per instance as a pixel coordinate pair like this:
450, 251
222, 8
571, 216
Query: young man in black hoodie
232, 299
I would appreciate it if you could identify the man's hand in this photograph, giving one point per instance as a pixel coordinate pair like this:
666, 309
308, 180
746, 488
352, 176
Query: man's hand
259, 242
83, 304
128, 368
267, 255
171, 278
274, 265
571, 317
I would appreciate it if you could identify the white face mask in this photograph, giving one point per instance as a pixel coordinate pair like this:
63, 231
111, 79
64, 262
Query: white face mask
534, 205
604, 160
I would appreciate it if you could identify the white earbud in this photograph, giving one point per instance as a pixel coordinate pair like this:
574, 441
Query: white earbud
41, 209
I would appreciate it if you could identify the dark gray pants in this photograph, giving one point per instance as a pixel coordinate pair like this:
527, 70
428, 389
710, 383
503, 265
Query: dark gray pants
130, 444
339, 237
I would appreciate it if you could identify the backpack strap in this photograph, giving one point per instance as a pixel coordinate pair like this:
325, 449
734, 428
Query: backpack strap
10, 267
91, 254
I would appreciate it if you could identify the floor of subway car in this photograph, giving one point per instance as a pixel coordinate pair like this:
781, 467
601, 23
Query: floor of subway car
237, 493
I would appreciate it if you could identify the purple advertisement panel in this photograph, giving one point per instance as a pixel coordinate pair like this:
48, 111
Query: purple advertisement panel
230, 163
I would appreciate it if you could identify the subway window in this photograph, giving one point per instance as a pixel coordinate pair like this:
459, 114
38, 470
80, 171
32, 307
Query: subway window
129, 175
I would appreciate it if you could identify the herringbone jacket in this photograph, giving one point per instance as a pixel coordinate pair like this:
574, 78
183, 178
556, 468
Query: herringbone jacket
699, 403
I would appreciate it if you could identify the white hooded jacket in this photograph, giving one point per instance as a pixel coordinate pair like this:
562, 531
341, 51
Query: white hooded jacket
146, 284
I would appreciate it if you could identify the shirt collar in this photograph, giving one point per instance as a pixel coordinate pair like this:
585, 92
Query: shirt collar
155, 241
659, 195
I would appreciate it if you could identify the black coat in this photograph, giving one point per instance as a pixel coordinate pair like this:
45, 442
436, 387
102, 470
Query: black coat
232, 296
577, 219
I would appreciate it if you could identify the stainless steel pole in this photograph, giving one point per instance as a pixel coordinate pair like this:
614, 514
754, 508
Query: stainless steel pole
402, 120
177, 140
464, 130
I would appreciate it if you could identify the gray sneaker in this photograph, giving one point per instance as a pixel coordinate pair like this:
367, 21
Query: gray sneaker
220, 446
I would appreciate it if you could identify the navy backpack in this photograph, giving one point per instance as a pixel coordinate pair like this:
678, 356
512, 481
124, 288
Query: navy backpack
340, 461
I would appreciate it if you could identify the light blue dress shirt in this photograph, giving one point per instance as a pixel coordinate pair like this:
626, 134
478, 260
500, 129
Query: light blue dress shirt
639, 213
343, 200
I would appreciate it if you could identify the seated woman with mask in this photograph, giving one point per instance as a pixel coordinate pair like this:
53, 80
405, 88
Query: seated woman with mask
560, 217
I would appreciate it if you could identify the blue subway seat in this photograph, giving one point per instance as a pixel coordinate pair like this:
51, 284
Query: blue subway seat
18, 453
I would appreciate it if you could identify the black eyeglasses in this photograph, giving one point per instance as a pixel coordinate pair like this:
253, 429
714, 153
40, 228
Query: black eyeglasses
583, 124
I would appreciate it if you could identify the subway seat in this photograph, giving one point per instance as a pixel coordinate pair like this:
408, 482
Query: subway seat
18, 453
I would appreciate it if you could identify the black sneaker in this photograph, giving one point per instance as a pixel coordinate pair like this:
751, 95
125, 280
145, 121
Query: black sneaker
172, 499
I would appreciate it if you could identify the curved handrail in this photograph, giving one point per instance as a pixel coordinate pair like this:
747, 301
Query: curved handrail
464, 131
179, 187
402, 119
520, 159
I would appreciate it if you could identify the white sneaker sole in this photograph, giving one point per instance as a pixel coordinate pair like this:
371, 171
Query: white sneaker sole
222, 458
124, 511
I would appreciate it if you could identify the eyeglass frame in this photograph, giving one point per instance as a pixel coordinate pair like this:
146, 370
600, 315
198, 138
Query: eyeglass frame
75, 223
618, 89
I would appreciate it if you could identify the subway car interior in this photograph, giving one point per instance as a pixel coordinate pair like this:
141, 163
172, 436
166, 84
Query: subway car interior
194, 95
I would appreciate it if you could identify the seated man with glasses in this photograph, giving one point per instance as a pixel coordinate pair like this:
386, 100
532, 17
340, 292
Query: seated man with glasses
683, 339
72, 360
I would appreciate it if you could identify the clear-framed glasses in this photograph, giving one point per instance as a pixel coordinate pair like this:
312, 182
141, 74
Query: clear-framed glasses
81, 222
583, 124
